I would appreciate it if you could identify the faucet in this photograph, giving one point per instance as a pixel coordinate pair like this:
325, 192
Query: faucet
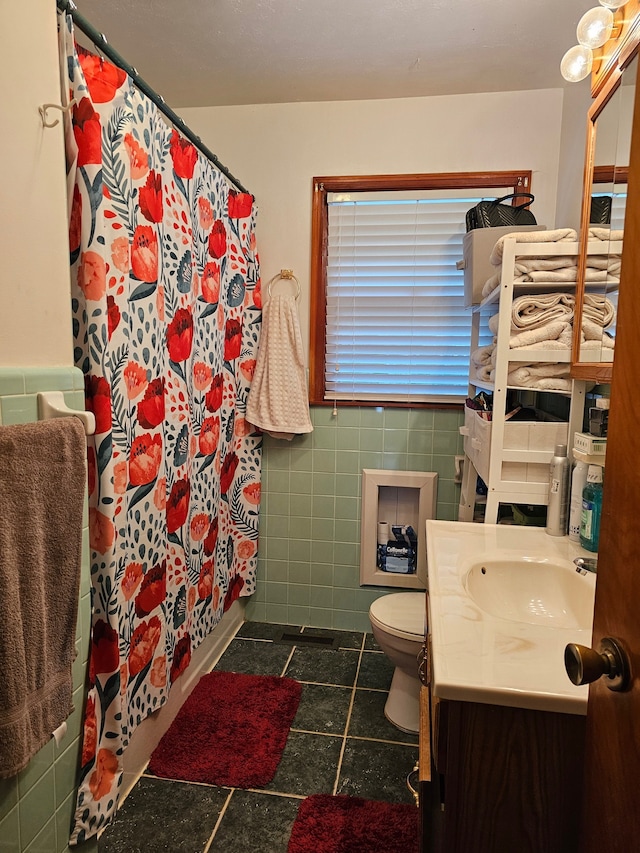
586, 564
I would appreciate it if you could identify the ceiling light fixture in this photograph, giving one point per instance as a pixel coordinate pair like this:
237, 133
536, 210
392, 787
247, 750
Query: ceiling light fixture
594, 30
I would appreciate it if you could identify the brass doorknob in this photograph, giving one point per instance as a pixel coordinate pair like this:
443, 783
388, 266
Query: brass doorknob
584, 665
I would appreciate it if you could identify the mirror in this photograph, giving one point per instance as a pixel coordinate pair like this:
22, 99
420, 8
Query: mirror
609, 144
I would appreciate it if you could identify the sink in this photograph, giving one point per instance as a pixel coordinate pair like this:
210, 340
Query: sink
503, 603
535, 591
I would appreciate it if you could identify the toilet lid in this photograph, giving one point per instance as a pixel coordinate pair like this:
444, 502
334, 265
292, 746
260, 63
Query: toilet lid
401, 611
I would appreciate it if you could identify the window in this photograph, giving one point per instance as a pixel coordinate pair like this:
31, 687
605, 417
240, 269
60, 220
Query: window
388, 323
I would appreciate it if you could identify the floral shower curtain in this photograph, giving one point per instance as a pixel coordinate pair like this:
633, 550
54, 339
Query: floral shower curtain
166, 320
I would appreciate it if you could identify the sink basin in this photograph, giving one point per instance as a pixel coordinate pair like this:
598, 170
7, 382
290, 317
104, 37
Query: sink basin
535, 591
503, 602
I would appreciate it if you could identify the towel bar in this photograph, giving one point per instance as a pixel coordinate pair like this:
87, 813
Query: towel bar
51, 404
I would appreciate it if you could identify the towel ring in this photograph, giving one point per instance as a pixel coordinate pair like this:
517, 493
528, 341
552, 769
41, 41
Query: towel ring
287, 275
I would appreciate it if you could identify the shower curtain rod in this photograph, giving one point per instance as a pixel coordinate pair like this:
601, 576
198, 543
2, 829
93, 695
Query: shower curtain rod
100, 41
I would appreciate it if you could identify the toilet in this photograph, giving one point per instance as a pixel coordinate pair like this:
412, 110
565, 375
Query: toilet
398, 624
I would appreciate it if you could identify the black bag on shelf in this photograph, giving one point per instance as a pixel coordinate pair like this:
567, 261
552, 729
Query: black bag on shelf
492, 214
600, 212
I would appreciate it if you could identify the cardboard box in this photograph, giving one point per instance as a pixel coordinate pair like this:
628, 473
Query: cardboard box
477, 246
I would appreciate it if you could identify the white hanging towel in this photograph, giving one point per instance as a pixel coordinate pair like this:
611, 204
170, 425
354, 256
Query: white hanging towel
278, 400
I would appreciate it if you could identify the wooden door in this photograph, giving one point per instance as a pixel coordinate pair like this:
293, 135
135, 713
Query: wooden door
611, 807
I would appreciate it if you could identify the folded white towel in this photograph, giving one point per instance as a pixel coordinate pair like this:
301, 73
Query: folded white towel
604, 341
545, 383
564, 274
600, 262
552, 336
540, 309
556, 334
545, 324
593, 275
278, 402
599, 233
558, 235
482, 355
598, 309
539, 369
559, 262
485, 373
551, 377
593, 331
603, 262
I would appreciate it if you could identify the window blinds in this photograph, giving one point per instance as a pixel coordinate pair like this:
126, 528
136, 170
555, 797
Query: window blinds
397, 329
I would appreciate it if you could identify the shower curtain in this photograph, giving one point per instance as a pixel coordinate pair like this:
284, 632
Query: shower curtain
166, 320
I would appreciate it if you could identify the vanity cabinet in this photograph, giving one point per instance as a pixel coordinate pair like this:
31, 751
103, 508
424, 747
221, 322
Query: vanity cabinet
508, 778
500, 779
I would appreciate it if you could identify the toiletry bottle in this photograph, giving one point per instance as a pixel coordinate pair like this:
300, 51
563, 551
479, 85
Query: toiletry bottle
578, 482
557, 509
591, 509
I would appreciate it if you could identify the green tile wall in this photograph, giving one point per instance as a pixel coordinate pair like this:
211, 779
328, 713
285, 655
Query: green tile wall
36, 807
309, 553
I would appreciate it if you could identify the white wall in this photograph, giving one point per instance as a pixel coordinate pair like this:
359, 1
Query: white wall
573, 141
275, 150
35, 318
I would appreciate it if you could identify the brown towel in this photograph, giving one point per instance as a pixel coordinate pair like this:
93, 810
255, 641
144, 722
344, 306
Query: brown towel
42, 488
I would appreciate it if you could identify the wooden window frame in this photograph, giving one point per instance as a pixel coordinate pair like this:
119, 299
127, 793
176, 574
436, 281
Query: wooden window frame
511, 181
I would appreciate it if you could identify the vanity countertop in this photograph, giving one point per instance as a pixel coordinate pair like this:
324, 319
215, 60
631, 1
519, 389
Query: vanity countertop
480, 657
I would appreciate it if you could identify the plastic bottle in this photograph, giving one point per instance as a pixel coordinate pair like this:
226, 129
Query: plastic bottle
557, 509
591, 509
578, 482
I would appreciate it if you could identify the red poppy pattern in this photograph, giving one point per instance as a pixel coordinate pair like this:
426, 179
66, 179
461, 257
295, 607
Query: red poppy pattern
160, 247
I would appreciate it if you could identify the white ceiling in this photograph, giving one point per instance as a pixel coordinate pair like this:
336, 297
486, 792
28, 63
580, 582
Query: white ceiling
220, 52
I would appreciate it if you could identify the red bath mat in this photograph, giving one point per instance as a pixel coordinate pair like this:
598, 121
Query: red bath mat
231, 731
342, 824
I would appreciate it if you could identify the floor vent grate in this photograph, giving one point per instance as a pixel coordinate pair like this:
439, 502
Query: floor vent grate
306, 638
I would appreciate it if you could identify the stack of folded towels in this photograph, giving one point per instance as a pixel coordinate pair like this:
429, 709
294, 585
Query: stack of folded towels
545, 321
559, 268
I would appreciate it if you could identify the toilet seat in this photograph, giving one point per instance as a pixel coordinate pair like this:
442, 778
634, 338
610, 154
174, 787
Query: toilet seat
401, 614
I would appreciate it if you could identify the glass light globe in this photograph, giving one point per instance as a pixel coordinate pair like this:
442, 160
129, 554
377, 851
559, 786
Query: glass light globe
576, 63
595, 26
612, 4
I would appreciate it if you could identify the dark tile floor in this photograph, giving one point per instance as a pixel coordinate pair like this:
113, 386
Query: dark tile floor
339, 743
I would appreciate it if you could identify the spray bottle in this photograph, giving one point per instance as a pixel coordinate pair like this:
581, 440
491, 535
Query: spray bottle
557, 509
